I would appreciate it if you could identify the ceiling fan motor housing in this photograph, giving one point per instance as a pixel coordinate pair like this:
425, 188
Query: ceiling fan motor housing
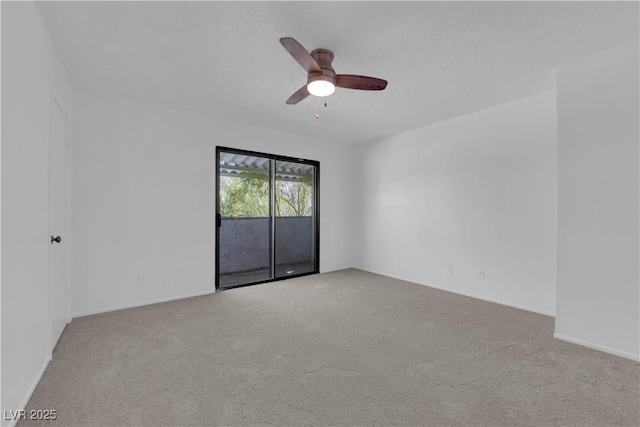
321, 77
324, 58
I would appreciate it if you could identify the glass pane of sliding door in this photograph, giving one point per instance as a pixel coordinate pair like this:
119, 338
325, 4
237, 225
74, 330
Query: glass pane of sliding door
267, 217
294, 218
244, 219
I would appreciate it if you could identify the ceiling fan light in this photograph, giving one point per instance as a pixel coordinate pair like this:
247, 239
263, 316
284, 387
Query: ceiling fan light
321, 88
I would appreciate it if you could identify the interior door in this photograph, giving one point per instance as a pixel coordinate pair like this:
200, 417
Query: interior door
59, 207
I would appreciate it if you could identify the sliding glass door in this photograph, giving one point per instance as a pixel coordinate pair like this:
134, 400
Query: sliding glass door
244, 219
294, 218
266, 217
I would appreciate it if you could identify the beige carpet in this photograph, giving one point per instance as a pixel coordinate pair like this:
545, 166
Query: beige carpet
343, 348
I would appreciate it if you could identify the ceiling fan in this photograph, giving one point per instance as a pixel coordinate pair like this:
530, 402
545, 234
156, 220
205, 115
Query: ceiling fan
321, 77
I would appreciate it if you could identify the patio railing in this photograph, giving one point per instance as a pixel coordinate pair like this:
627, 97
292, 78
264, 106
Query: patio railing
245, 242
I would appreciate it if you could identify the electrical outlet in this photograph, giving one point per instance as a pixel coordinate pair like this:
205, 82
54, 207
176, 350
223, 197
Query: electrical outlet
481, 273
450, 269
142, 280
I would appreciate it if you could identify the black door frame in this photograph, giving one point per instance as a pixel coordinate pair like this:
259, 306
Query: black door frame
218, 218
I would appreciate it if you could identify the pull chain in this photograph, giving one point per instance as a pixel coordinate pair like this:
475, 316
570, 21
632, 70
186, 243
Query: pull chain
318, 107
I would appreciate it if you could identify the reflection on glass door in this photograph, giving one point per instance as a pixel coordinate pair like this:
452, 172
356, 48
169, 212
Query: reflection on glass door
267, 217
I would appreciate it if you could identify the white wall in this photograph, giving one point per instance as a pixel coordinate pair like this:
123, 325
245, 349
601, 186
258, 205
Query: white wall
598, 230
475, 192
143, 199
31, 73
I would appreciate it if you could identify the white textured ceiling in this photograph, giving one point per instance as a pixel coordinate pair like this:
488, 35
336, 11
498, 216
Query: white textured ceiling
223, 59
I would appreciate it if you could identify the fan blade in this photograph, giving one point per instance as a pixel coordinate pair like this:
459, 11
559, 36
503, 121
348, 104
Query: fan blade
300, 54
298, 96
349, 81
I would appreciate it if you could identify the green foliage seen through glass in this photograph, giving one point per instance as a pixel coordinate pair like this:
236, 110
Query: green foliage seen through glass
248, 196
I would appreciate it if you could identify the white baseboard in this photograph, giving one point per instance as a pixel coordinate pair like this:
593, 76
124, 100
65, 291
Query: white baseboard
25, 399
634, 357
139, 304
520, 307
497, 301
467, 294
